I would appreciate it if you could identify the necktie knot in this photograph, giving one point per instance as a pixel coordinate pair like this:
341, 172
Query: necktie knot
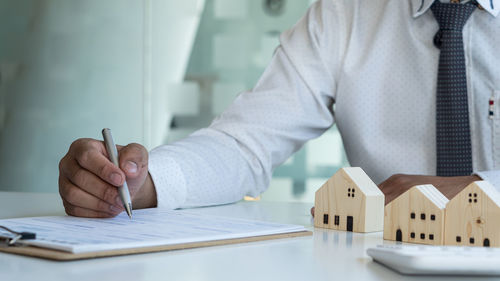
452, 16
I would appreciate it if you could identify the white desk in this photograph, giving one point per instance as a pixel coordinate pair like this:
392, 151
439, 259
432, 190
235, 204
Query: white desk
327, 255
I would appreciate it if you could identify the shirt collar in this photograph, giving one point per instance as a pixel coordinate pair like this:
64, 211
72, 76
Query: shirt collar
419, 7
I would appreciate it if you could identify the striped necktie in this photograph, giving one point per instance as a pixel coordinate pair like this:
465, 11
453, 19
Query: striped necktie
453, 139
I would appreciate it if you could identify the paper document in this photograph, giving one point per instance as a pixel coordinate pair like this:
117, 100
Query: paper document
149, 227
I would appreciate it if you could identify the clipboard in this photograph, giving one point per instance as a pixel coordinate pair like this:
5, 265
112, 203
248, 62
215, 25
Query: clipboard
56, 255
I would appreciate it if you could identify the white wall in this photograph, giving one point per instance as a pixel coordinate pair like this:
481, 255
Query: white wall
69, 68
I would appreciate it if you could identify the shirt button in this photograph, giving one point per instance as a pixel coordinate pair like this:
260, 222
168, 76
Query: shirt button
437, 39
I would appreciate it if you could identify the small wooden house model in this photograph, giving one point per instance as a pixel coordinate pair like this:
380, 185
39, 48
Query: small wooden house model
416, 216
350, 201
472, 216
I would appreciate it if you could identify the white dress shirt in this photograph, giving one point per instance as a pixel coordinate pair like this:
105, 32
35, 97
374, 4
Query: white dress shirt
370, 67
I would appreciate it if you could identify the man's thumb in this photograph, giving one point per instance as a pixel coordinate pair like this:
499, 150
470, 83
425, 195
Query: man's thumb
133, 160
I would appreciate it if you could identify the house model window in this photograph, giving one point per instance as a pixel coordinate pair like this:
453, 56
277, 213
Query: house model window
472, 198
350, 192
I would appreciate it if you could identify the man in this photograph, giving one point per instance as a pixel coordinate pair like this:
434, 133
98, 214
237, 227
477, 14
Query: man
415, 103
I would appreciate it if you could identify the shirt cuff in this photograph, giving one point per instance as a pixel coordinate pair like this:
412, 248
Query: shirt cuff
168, 179
492, 176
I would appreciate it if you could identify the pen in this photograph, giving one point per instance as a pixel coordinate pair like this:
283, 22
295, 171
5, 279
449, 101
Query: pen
113, 156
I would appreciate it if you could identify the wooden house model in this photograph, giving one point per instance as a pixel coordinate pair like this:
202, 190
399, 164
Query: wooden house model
473, 216
350, 201
416, 216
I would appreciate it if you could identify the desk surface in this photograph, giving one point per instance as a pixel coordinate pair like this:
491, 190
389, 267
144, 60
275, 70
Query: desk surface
327, 255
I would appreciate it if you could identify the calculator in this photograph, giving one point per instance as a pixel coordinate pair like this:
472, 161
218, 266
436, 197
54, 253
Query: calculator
438, 260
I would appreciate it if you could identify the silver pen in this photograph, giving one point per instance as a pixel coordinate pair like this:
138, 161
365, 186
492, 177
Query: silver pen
113, 156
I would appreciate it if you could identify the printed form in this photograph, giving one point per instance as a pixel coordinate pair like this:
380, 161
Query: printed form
149, 227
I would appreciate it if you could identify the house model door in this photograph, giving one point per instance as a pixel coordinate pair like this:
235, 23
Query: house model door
349, 223
399, 235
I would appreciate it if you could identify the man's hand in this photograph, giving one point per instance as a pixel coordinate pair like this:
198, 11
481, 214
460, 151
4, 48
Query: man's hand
449, 186
88, 181
399, 183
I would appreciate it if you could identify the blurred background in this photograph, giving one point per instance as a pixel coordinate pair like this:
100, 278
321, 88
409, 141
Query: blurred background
153, 70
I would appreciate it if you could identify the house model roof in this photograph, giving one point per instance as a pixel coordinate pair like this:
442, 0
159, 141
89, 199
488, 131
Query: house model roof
434, 195
364, 183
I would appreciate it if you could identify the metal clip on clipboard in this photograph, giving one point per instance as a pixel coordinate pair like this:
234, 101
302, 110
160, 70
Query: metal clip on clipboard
16, 236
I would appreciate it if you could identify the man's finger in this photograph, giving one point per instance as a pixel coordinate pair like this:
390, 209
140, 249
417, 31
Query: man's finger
79, 198
82, 212
96, 162
89, 182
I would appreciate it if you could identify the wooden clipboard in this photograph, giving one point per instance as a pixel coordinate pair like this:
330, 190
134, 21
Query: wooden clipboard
66, 256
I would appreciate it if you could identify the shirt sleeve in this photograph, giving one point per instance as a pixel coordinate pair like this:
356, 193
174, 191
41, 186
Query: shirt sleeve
291, 104
492, 176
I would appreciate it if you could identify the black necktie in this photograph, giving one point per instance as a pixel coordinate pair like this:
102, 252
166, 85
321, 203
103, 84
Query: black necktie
453, 141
